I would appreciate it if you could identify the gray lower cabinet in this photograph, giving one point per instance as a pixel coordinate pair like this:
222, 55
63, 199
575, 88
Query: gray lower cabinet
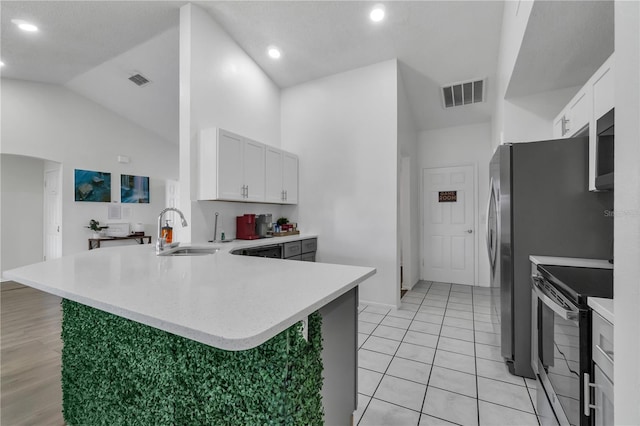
308, 257
292, 249
310, 245
304, 250
602, 354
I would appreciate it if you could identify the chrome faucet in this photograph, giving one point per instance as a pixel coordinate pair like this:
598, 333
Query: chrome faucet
160, 242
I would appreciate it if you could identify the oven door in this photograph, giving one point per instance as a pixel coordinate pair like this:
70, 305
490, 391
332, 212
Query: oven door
560, 366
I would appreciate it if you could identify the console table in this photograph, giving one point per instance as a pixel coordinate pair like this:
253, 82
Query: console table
95, 242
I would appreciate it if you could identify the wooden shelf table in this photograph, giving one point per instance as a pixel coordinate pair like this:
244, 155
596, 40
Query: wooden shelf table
95, 242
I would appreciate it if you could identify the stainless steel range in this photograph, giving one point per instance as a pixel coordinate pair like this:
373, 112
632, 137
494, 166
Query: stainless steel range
561, 340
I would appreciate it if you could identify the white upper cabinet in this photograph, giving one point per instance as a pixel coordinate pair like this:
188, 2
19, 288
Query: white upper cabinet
290, 178
579, 117
603, 89
253, 168
575, 117
229, 166
281, 177
234, 168
273, 175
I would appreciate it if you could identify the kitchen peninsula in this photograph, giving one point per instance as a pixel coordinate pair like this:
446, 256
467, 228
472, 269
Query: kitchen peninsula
211, 339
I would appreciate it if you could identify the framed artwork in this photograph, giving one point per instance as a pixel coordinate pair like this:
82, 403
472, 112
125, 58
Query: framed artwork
92, 186
134, 189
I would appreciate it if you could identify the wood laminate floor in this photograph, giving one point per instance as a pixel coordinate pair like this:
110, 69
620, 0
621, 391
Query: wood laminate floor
31, 393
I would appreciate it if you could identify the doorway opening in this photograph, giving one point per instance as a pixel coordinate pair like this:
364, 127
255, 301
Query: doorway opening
31, 213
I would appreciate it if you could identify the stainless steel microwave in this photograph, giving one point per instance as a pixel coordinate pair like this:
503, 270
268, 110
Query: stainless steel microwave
604, 151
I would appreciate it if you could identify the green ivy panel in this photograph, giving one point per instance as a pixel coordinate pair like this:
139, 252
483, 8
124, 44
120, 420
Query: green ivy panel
120, 372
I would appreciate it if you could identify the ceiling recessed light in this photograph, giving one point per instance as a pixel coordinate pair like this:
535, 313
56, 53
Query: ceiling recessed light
274, 52
1, 64
25, 26
377, 13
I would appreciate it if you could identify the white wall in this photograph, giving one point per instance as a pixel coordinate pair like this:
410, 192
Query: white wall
22, 211
627, 218
53, 123
344, 129
464, 145
409, 217
220, 86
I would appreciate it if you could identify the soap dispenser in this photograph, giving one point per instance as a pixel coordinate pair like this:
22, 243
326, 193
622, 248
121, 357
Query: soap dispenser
167, 233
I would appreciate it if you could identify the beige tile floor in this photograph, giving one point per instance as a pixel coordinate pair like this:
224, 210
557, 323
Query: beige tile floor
436, 361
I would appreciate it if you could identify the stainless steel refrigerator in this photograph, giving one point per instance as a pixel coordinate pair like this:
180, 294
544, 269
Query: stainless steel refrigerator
539, 204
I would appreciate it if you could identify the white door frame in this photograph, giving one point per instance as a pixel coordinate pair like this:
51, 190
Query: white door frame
475, 215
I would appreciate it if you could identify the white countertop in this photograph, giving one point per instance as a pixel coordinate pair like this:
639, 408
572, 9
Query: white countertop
223, 300
602, 306
570, 261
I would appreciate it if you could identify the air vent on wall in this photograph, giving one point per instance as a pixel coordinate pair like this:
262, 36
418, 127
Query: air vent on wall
139, 79
458, 94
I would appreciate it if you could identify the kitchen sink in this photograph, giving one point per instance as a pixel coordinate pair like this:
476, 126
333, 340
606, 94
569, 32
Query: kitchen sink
189, 251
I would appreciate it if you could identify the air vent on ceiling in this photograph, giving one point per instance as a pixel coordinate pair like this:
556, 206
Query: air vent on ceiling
139, 79
458, 94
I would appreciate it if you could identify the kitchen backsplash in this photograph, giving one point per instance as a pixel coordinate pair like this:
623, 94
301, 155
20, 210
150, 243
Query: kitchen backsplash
203, 216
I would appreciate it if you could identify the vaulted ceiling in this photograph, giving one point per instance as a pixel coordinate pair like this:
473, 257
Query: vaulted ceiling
92, 47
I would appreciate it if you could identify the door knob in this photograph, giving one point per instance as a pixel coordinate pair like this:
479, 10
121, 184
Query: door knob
469, 231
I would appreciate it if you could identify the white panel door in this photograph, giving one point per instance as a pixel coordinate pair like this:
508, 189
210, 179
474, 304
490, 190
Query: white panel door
230, 176
254, 153
273, 176
448, 225
290, 178
52, 215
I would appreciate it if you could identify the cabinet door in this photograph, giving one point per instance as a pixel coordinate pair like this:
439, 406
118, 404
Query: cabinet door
207, 164
557, 127
290, 178
603, 398
254, 153
580, 112
230, 156
603, 91
273, 176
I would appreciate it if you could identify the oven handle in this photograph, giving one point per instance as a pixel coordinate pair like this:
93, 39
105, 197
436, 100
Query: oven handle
567, 314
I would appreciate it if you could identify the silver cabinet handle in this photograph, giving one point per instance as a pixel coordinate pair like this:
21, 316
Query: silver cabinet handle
565, 126
586, 393
247, 192
286, 195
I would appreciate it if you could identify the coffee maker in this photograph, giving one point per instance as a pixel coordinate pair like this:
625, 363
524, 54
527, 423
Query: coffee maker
246, 227
263, 221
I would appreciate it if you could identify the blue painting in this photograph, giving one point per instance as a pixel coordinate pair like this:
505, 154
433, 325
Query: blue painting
134, 189
92, 186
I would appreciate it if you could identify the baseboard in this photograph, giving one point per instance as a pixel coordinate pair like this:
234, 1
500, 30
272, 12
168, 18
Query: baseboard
370, 303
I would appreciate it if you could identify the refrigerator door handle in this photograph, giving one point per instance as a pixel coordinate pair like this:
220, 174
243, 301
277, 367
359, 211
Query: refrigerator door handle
488, 225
